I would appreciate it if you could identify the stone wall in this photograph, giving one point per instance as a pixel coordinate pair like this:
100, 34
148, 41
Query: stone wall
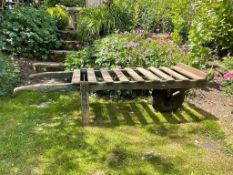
93, 3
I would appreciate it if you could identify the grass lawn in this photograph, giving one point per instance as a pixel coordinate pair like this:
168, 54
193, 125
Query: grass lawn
124, 138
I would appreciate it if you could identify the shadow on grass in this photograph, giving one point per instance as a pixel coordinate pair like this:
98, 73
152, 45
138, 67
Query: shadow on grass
52, 141
133, 113
120, 158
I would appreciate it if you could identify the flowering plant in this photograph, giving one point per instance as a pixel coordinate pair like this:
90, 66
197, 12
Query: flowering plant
229, 76
228, 83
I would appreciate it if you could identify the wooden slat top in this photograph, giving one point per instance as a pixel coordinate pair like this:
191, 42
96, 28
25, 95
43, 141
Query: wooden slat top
186, 73
161, 74
192, 70
150, 76
76, 76
173, 74
106, 76
134, 75
120, 75
178, 76
91, 75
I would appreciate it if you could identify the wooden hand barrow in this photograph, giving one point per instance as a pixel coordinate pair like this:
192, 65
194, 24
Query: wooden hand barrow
168, 85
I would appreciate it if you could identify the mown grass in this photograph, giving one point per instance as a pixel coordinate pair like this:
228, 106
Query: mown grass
127, 137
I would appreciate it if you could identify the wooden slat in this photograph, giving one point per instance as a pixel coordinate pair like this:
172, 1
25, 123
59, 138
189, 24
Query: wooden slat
120, 75
186, 73
161, 74
134, 75
91, 76
76, 76
192, 70
173, 73
59, 74
106, 76
58, 87
148, 74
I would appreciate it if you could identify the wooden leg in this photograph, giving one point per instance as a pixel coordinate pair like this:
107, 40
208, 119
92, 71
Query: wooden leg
85, 102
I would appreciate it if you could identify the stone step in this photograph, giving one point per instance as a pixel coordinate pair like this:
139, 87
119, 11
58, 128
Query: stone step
73, 11
48, 66
72, 27
58, 55
70, 9
68, 35
71, 45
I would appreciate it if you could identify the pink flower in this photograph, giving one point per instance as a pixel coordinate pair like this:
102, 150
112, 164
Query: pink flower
229, 75
139, 31
132, 44
78, 46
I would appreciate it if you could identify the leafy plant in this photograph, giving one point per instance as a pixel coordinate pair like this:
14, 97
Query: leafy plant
153, 16
182, 12
205, 25
8, 75
28, 32
125, 15
60, 16
228, 77
228, 83
102, 20
129, 50
50, 3
228, 63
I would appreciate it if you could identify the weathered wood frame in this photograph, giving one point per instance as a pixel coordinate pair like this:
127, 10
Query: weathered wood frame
180, 76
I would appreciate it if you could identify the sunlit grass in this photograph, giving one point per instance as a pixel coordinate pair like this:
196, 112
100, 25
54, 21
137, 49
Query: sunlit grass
124, 137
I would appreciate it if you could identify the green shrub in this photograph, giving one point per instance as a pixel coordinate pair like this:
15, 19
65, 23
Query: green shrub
228, 63
68, 3
228, 87
129, 50
206, 25
201, 34
228, 77
51, 3
182, 12
228, 83
60, 16
8, 75
149, 15
28, 32
102, 20
153, 15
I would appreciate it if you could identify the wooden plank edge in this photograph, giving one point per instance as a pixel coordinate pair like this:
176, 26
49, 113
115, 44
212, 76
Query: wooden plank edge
59, 87
60, 74
148, 74
76, 75
149, 86
132, 73
107, 78
193, 70
186, 73
161, 74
